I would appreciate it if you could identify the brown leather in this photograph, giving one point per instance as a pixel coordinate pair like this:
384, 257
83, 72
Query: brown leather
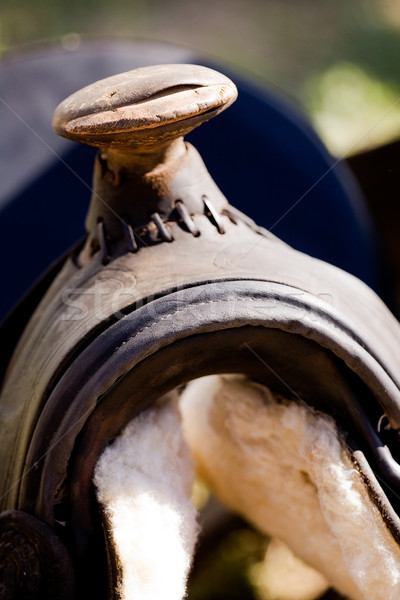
122, 324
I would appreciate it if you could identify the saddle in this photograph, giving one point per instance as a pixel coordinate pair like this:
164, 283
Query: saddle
170, 284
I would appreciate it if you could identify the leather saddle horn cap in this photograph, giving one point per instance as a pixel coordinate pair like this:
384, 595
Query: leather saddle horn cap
172, 283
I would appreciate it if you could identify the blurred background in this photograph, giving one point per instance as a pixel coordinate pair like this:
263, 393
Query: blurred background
336, 60
339, 60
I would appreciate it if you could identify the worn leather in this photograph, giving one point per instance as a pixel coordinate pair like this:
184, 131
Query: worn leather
107, 340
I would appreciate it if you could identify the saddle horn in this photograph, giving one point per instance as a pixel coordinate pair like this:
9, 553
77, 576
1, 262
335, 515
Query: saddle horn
172, 283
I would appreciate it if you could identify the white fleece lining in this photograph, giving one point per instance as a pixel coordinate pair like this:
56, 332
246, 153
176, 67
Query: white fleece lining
277, 463
144, 481
284, 468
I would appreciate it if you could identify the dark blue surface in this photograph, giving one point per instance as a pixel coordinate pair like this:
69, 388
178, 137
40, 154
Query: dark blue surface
270, 164
261, 152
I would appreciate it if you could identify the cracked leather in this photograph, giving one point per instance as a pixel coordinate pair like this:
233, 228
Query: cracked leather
107, 340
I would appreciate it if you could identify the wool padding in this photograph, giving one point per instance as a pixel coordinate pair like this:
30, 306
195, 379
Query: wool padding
144, 481
285, 468
281, 465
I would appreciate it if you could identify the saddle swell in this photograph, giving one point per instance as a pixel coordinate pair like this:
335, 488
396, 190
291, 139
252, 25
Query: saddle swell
167, 291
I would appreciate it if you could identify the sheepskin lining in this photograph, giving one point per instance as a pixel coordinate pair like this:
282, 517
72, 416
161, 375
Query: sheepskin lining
144, 481
277, 463
285, 469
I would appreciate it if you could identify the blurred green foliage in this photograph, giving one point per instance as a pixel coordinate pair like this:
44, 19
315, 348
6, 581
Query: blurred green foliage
281, 41
222, 571
338, 59
288, 44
